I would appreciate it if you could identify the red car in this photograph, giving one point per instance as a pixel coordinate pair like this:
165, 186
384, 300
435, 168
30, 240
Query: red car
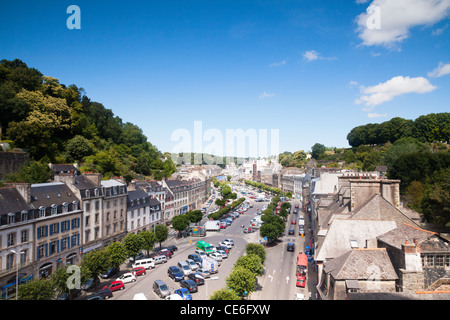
165, 253
139, 271
301, 281
116, 285
293, 222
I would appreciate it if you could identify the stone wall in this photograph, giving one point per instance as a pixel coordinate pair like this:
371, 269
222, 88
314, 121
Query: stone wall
10, 162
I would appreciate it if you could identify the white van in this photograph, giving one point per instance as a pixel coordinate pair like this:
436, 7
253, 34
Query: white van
184, 267
146, 263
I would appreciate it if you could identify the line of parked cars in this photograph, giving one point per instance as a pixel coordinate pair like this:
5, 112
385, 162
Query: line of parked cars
140, 265
192, 272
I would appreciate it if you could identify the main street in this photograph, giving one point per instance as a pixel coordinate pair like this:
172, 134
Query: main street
185, 247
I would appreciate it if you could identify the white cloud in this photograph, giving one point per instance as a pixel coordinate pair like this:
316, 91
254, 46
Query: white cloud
377, 115
396, 18
314, 55
278, 64
397, 86
266, 95
311, 55
441, 70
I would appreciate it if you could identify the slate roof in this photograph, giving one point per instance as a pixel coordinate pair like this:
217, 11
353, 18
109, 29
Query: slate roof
399, 235
46, 194
12, 201
341, 231
376, 207
361, 264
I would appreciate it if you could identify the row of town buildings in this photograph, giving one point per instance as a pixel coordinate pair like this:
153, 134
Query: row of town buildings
366, 243
45, 225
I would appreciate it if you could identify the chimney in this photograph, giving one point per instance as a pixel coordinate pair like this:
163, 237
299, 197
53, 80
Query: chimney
67, 178
94, 177
413, 261
23, 188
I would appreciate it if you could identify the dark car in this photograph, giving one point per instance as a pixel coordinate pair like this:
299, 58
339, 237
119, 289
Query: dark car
72, 294
175, 273
190, 285
110, 273
172, 249
105, 293
196, 258
197, 277
291, 246
91, 284
219, 247
291, 231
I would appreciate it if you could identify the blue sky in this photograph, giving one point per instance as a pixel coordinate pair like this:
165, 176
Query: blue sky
311, 69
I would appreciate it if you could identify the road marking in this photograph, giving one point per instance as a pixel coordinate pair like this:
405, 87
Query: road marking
287, 279
270, 277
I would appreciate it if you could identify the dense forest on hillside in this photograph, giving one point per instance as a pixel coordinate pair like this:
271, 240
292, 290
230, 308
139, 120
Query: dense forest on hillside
60, 124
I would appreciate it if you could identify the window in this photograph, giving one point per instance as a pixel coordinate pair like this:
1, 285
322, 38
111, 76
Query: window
11, 239
354, 244
430, 260
87, 207
24, 236
41, 212
11, 218
75, 205
65, 208
24, 216
54, 209
439, 261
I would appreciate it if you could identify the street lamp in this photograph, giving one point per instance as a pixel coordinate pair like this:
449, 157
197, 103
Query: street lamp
17, 271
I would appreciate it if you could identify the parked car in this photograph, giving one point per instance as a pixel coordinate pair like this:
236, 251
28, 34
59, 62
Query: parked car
161, 288
159, 259
197, 277
192, 264
147, 263
138, 271
175, 273
116, 285
174, 296
189, 284
229, 241
127, 278
196, 258
223, 253
110, 273
105, 292
165, 253
226, 244
90, 284
70, 295
204, 272
172, 248
183, 293
139, 256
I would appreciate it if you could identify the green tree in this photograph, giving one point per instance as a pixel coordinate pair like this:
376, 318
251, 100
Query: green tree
132, 244
96, 262
39, 289
224, 295
195, 216
242, 281
148, 239
317, 150
251, 262
79, 147
257, 249
161, 233
117, 253
180, 223
31, 172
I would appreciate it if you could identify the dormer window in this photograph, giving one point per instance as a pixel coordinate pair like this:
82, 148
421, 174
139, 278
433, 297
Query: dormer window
24, 215
75, 205
11, 218
41, 211
354, 244
54, 209
65, 207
